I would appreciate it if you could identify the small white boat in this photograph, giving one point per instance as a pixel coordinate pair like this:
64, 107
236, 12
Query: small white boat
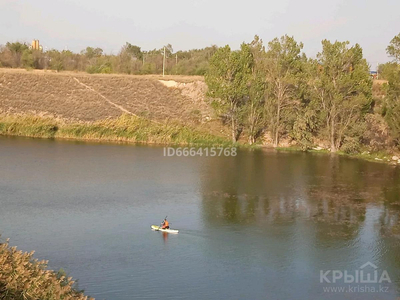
158, 228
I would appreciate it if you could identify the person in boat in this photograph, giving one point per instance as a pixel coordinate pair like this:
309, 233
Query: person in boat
165, 224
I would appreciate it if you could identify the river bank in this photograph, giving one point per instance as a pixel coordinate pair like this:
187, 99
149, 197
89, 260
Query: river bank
373, 156
125, 128
121, 108
132, 129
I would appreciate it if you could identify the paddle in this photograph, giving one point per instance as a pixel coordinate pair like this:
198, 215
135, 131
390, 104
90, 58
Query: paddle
159, 227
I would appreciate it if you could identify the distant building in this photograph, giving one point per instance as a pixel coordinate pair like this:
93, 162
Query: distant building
373, 74
35, 45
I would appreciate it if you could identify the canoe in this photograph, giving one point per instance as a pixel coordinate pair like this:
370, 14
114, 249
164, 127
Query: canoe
158, 228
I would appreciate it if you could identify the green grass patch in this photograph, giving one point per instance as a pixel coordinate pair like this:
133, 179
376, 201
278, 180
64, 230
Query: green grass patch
377, 156
290, 149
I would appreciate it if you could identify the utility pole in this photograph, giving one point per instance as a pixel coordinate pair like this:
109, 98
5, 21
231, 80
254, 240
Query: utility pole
377, 70
163, 65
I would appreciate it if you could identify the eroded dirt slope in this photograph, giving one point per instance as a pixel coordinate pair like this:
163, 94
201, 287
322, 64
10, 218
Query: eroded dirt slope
92, 97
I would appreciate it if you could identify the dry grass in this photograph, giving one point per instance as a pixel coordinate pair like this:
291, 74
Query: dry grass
87, 97
25, 278
178, 78
379, 81
125, 128
377, 89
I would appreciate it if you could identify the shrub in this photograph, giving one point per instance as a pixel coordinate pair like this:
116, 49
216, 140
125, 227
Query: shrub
351, 145
25, 278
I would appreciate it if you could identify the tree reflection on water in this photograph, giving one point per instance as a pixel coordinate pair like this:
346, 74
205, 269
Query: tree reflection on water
331, 191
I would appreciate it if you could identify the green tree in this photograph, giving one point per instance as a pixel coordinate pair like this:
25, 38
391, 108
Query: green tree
304, 127
17, 49
283, 65
342, 89
55, 60
133, 51
27, 59
394, 48
254, 107
385, 70
168, 50
393, 119
91, 52
391, 109
227, 79
392, 74
191, 62
130, 59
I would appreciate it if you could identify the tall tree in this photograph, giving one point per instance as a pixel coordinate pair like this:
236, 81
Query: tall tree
17, 49
392, 101
91, 52
342, 88
392, 106
254, 106
168, 50
392, 116
132, 50
283, 65
394, 48
227, 79
129, 56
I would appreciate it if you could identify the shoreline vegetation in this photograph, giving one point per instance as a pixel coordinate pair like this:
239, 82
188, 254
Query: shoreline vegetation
136, 130
126, 128
261, 95
24, 278
377, 156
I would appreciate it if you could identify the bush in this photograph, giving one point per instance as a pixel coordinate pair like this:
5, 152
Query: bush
301, 134
351, 145
376, 135
25, 278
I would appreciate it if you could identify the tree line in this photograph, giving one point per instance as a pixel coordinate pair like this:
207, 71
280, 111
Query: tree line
271, 90
278, 91
131, 59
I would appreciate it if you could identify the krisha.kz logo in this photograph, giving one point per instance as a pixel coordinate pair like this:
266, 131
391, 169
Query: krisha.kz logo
368, 278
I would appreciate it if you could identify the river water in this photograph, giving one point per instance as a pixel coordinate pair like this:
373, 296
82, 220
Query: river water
261, 225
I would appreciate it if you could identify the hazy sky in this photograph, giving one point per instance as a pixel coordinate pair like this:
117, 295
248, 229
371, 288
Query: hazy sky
188, 24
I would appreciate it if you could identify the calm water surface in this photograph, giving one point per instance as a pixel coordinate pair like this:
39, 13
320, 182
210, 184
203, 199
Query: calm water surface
261, 225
